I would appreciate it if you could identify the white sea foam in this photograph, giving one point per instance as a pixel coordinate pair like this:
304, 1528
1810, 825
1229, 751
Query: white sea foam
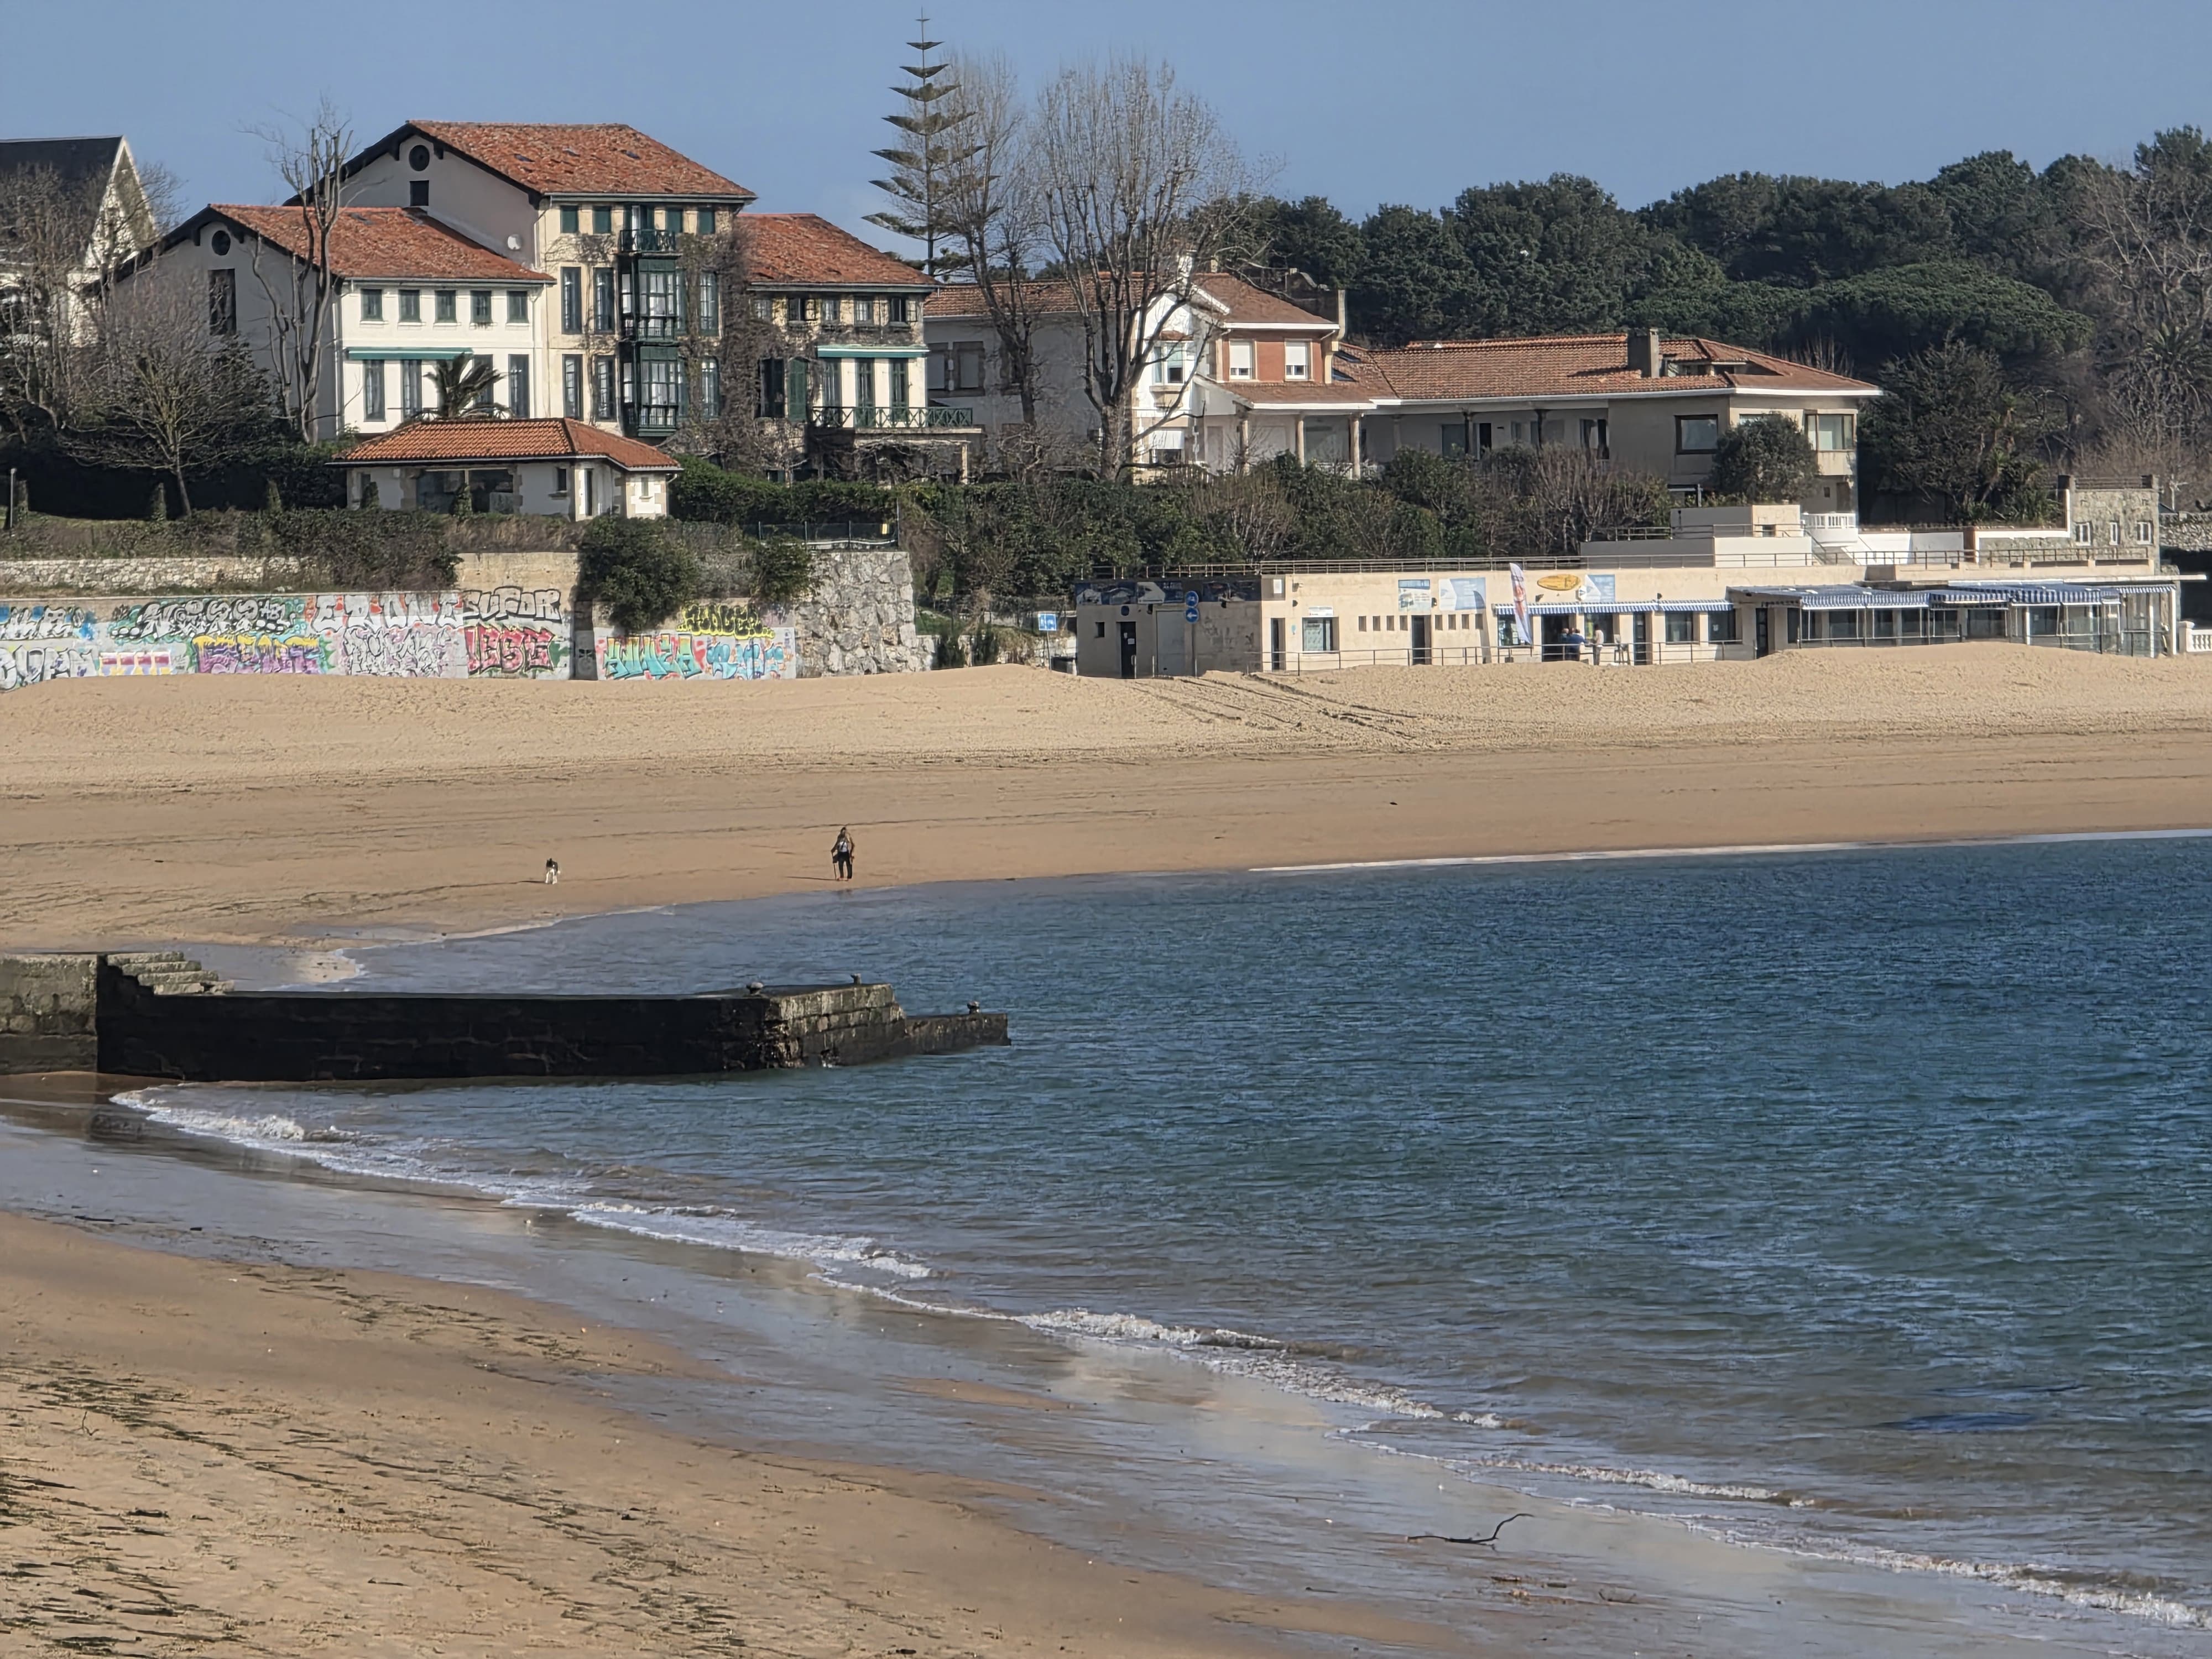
722, 1229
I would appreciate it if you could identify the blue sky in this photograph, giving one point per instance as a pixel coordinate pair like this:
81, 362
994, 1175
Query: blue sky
1381, 100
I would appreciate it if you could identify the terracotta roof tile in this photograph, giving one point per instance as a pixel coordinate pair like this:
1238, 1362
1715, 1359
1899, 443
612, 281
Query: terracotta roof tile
394, 242
1331, 394
507, 441
1246, 304
1595, 365
806, 248
966, 299
595, 159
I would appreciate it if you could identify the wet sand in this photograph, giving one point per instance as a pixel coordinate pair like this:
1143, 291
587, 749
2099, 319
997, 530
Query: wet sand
247, 810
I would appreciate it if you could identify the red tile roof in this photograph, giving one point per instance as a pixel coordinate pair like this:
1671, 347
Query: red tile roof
1317, 394
1584, 365
1246, 304
394, 242
597, 159
966, 299
804, 248
507, 440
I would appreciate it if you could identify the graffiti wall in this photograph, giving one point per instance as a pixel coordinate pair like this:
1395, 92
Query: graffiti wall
506, 633
711, 642
516, 633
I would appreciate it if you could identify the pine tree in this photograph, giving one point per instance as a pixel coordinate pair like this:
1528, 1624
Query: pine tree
929, 146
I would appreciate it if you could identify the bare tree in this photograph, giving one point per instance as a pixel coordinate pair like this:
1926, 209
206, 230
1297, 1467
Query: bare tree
162, 391
993, 218
1138, 187
300, 282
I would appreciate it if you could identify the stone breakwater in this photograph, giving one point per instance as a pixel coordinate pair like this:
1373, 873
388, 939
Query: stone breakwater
159, 1014
857, 618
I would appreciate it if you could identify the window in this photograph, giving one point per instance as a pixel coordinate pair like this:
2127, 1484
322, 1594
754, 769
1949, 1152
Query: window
799, 308
410, 305
447, 301
480, 307
372, 390
2112, 535
1681, 628
603, 299
517, 305
864, 382
2144, 534
418, 192
706, 222
410, 390
221, 242
864, 308
1697, 434
1484, 442
664, 382
569, 226
771, 404
1168, 366
710, 389
603, 388
1451, 438
901, 309
2084, 533
966, 365
1362, 624
710, 302
223, 302
603, 222
1720, 627
1317, 634
1594, 436
419, 158
483, 399
572, 386
1240, 360
901, 393
572, 300
559, 481
1832, 432
833, 308
517, 385
763, 308
1298, 359
372, 305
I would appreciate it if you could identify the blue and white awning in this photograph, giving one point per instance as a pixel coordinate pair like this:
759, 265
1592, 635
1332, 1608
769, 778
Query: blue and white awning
2026, 593
1840, 598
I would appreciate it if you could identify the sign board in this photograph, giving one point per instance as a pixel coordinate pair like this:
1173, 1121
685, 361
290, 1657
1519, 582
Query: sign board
1413, 592
1464, 592
1048, 621
1190, 606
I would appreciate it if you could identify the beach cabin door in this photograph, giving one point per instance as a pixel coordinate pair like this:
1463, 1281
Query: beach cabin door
1275, 631
1419, 655
1759, 632
1129, 650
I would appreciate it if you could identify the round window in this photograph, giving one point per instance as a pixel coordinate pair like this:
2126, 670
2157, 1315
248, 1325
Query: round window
419, 158
222, 241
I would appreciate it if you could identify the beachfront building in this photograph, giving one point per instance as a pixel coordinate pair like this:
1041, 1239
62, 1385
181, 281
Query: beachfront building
563, 468
1727, 583
71, 210
843, 382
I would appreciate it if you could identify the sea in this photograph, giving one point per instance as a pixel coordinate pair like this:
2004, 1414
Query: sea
1845, 1214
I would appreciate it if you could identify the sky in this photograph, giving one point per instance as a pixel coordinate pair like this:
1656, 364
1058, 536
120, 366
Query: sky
1367, 103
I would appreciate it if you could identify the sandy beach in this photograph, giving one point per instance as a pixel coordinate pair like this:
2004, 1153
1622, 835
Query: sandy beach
300, 1461
243, 810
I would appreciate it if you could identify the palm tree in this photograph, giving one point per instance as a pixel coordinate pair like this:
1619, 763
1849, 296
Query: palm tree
464, 386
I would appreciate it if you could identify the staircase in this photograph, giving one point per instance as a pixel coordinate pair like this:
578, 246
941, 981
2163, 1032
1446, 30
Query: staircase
170, 973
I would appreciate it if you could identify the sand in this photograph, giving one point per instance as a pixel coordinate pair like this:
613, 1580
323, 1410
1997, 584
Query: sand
243, 810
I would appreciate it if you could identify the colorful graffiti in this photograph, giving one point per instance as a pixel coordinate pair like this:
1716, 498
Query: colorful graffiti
41, 642
767, 653
516, 633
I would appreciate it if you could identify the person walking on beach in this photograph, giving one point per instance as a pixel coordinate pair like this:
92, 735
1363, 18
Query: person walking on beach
841, 855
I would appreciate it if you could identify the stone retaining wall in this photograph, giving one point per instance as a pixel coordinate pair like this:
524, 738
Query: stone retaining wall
49, 1007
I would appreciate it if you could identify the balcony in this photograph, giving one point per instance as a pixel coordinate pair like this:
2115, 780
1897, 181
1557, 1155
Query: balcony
892, 418
667, 329
651, 241
659, 419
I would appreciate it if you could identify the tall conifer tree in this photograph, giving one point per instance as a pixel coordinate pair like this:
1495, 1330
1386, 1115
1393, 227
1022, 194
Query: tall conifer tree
930, 144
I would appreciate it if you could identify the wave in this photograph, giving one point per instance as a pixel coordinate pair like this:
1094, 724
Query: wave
725, 1230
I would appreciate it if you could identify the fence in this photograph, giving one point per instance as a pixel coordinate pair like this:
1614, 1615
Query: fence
2196, 639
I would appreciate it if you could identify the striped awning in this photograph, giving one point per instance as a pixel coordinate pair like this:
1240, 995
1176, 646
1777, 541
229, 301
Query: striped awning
1615, 607
1838, 598
2026, 593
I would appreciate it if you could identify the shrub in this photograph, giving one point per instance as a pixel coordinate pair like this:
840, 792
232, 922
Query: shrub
360, 550
641, 574
949, 653
783, 569
1764, 460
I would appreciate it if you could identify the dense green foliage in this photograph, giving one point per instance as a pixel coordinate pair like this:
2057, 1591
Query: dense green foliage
1762, 461
1950, 432
640, 573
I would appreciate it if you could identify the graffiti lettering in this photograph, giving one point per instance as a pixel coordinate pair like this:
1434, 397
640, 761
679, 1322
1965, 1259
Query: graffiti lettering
186, 619
710, 618
515, 652
769, 655
160, 660
46, 622
258, 654
33, 664
508, 605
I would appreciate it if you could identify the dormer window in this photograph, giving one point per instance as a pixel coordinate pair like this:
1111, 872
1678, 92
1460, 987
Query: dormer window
1240, 360
1298, 359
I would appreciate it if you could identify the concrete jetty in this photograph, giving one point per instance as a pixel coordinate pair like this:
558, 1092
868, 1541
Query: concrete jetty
159, 1014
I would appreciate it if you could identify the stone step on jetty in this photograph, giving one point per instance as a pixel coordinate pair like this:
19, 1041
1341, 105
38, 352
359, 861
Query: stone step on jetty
162, 1014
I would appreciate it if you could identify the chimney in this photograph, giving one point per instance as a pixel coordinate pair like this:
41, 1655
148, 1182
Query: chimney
1341, 294
1644, 352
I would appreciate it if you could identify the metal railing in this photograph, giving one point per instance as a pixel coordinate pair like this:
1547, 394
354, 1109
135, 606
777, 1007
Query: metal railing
651, 241
889, 417
635, 327
848, 532
651, 418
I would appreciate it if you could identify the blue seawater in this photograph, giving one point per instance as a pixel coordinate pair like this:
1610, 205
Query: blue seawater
1859, 1202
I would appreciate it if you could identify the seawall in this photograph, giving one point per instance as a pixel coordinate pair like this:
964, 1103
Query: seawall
160, 1015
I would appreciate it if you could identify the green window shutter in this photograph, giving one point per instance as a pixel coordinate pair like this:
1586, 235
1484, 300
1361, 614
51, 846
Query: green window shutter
795, 385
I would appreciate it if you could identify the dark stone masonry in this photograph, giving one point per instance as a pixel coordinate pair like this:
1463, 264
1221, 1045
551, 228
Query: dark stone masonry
160, 1015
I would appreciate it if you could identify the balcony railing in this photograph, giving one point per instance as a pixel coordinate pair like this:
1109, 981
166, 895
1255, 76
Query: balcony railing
635, 327
889, 417
651, 241
651, 418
